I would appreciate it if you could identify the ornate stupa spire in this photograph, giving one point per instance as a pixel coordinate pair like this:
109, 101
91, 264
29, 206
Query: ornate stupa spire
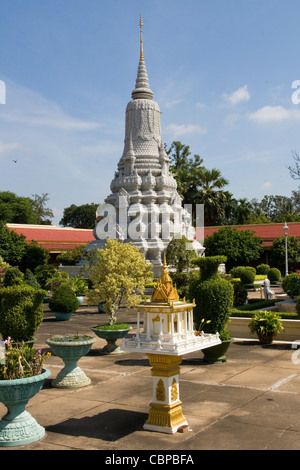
144, 186
142, 88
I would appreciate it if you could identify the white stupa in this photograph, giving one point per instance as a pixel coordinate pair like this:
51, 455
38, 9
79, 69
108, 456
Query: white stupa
144, 206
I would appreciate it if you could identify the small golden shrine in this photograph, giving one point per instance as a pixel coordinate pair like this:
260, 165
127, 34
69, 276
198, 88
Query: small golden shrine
165, 331
165, 292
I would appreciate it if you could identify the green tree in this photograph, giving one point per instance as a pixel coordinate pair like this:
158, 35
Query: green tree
24, 210
241, 211
12, 245
211, 195
83, 216
179, 254
240, 246
119, 276
279, 208
34, 256
186, 170
43, 213
15, 209
197, 184
278, 250
295, 170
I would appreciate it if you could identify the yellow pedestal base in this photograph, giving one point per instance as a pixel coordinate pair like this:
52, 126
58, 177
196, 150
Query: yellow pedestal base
165, 413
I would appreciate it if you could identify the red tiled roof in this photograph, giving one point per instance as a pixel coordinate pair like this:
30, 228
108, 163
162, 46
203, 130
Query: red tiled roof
57, 239
267, 232
52, 238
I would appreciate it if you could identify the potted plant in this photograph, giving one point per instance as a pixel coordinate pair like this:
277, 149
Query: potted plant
21, 376
118, 277
70, 348
63, 302
213, 297
21, 312
56, 281
266, 324
79, 286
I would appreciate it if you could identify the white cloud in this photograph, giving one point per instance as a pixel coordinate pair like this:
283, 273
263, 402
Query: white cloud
231, 120
266, 185
239, 95
183, 129
200, 105
5, 147
170, 104
28, 107
274, 114
56, 119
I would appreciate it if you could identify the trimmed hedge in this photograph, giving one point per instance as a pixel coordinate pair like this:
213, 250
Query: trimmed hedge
250, 313
21, 312
209, 266
213, 299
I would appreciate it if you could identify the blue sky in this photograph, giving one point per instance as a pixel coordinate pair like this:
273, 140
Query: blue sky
221, 72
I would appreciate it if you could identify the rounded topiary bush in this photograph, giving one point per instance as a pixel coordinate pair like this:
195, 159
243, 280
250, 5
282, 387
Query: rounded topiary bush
21, 312
64, 300
247, 276
236, 272
262, 269
274, 275
291, 285
209, 266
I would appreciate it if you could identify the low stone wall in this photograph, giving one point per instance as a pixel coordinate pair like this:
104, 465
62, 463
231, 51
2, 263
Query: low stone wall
238, 328
71, 270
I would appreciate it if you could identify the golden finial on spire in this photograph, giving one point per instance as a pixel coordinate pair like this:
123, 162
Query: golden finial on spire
141, 38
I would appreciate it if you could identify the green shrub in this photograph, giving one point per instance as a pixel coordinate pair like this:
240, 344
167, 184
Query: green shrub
209, 266
183, 280
12, 277
240, 294
21, 312
43, 273
213, 299
274, 275
71, 257
59, 278
64, 300
247, 276
262, 269
31, 280
236, 272
251, 268
291, 285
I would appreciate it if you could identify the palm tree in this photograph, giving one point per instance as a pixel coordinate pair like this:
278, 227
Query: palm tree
243, 211
211, 195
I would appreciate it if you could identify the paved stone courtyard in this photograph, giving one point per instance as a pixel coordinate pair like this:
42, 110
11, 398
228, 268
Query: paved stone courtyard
251, 402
